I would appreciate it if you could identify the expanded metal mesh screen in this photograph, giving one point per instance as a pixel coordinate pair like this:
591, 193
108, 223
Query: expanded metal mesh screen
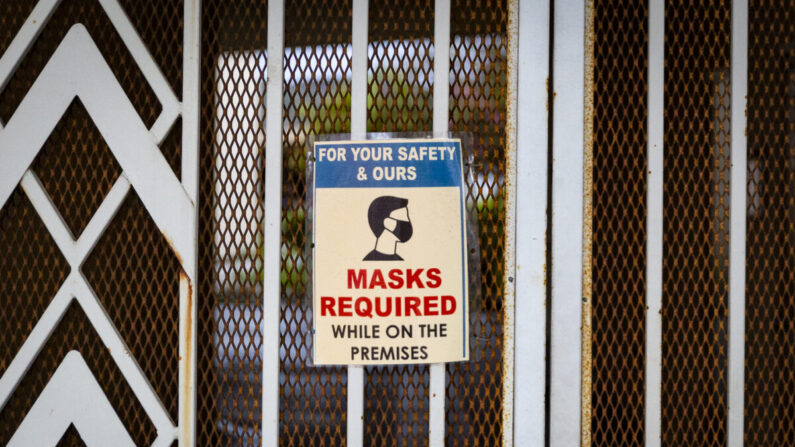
478, 104
695, 222
131, 269
399, 99
231, 215
770, 237
313, 407
317, 88
619, 222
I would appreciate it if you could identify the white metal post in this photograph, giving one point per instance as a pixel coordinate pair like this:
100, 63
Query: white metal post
360, 17
567, 217
441, 114
654, 223
190, 182
739, 155
532, 119
273, 216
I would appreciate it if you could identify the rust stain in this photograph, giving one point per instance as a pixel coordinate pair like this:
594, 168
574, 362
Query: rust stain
546, 84
187, 385
587, 230
174, 250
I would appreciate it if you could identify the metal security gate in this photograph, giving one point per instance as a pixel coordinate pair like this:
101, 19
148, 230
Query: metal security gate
634, 181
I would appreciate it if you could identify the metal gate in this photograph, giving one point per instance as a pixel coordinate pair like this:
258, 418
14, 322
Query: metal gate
634, 182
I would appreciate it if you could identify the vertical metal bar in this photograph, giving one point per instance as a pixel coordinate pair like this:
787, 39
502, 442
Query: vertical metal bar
273, 216
567, 213
360, 15
654, 224
739, 155
190, 182
441, 115
531, 236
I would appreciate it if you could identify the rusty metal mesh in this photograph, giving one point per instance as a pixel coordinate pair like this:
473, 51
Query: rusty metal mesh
619, 222
229, 369
770, 237
399, 99
696, 222
317, 88
132, 270
478, 76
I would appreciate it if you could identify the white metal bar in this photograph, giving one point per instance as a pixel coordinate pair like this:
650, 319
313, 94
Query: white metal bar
75, 251
567, 212
34, 342
146, 63
531, 211
359, 42
654, 224
738, 188
273, 216
441, 115
24, 38
49, 215
120, 353
190, 182
191, 112
77, 68
72, 397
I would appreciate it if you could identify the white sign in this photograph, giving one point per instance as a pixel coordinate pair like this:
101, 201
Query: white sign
389, 273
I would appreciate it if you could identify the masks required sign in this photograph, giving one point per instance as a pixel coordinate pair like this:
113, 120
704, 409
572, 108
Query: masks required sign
390, 253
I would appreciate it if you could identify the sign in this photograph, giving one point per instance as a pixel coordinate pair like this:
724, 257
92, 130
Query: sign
389, 257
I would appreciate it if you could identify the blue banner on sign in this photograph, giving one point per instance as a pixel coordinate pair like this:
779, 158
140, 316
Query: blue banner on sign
393, 164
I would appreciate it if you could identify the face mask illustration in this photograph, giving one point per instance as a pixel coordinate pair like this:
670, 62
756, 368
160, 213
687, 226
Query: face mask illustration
388, 217
403, 230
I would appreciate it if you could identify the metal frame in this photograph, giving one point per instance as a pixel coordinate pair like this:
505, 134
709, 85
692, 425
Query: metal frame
172, 204
567, 217
437, 393
737, 229
654, 224
529, 171
359, 41
271, 287
77, 69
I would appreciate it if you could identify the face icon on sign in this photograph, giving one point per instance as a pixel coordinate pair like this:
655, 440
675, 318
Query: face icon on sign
388, 217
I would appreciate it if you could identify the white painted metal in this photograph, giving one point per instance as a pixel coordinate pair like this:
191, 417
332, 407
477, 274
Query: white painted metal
441, 114
74, 251
359, 42
272, 237
739, 163
40, 16
531, 213
78, 69
75, 286
188, 349
34, 342
147, 65
72, 397
567, 212
654, 224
